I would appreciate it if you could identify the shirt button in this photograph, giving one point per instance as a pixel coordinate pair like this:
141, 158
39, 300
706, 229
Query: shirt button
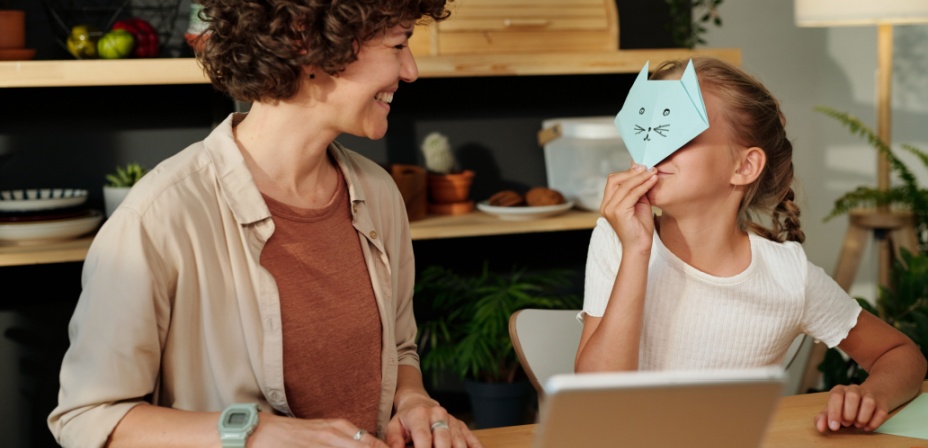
354, 207
373, 234
275, 396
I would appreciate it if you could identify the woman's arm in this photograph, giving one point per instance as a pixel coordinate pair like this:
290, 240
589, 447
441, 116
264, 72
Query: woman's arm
416, 413
147, 425
896, 370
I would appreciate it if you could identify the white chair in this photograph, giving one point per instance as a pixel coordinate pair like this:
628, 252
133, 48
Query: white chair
545, 342
795, 363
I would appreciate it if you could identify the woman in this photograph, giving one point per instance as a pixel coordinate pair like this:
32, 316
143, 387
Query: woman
267, 267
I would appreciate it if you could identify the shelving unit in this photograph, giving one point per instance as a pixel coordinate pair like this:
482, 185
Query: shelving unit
432, 227
127, 72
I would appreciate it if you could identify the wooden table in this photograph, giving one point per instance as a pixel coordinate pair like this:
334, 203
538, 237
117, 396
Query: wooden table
791, 427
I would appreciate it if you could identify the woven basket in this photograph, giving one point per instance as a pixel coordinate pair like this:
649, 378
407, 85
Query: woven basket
64, 14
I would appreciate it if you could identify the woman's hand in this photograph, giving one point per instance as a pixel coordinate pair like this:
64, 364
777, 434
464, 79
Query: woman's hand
276, 431
852, 405
626, 207
423, 422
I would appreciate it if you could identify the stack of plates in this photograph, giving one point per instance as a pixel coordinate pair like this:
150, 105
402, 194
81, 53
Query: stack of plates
44, 215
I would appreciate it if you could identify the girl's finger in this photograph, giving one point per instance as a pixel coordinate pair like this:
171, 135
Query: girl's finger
628, 193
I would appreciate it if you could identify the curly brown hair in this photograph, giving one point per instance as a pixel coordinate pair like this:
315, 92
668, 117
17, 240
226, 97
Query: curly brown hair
755, 116
256, 50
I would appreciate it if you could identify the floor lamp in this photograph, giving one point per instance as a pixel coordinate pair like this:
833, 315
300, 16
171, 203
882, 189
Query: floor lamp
892, 229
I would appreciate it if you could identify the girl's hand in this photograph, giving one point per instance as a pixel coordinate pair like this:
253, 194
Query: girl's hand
626, 207
426, 424
852, 405
278, 431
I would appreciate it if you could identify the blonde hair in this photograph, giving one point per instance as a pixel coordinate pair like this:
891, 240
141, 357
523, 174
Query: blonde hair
755, 119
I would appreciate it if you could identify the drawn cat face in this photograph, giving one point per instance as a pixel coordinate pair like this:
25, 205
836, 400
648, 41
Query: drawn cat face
660, 116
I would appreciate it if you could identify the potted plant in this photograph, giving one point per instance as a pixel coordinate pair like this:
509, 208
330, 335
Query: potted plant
907, 196
118, 185
464, 330
687, 20
449, 186
904, 304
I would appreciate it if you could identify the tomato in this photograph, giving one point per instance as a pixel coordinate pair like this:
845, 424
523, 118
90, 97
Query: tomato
146, 36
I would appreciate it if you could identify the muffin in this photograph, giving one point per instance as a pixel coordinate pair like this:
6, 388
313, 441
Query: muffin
541, 196
506, 198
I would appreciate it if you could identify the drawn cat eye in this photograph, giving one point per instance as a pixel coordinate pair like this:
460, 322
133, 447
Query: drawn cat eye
666, 112
641, 111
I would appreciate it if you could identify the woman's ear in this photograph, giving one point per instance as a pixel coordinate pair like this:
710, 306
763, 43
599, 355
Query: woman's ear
750, 166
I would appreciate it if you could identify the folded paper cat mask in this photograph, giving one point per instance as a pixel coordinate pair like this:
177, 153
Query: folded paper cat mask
660, 116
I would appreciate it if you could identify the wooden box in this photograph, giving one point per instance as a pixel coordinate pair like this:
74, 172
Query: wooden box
521, 26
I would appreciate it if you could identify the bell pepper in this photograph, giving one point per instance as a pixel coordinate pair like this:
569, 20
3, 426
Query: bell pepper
146, 36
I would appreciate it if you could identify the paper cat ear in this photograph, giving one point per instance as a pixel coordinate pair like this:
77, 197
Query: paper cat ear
691, 85
643, 74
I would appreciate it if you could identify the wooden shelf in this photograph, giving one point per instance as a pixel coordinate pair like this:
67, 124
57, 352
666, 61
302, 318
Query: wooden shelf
123, 72
59, 252
481, 224
432, 227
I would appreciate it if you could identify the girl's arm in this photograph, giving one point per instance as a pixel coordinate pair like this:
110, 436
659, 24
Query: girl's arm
896, 370
611, 342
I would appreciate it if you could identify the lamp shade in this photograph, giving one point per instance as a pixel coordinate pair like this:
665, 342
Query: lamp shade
860, 12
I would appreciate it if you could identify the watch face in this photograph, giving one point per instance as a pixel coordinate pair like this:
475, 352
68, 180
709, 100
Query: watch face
236, 419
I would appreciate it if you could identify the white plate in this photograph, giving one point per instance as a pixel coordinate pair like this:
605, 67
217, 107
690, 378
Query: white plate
523, 213
41, 199
46, 231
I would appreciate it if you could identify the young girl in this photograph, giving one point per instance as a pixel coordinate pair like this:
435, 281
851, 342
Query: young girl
708, 284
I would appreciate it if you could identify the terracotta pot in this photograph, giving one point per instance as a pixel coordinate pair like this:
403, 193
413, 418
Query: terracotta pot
451, 208
410, 180
12, 29
448, 188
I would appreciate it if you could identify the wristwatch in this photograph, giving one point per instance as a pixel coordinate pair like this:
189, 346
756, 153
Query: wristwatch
236, 423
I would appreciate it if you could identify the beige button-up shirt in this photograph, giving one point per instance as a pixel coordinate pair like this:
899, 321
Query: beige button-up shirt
177, 311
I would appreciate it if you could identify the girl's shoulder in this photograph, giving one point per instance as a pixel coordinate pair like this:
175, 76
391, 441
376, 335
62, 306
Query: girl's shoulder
789, 252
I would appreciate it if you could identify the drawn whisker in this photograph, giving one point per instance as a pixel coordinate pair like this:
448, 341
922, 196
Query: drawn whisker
639, 129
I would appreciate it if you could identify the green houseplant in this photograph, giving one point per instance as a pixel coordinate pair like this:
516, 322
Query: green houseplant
904, 304
909, 195
688, 19
464, 323
118, 184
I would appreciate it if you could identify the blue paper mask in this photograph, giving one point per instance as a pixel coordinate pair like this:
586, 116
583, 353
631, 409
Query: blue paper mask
660, 116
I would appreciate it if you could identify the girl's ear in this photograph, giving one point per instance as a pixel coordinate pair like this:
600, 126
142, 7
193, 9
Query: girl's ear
750, 166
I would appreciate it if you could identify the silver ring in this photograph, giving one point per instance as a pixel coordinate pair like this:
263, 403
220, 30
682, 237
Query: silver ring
359, 435
440, 424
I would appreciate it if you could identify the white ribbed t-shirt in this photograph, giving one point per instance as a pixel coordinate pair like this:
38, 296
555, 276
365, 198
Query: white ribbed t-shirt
693, 320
